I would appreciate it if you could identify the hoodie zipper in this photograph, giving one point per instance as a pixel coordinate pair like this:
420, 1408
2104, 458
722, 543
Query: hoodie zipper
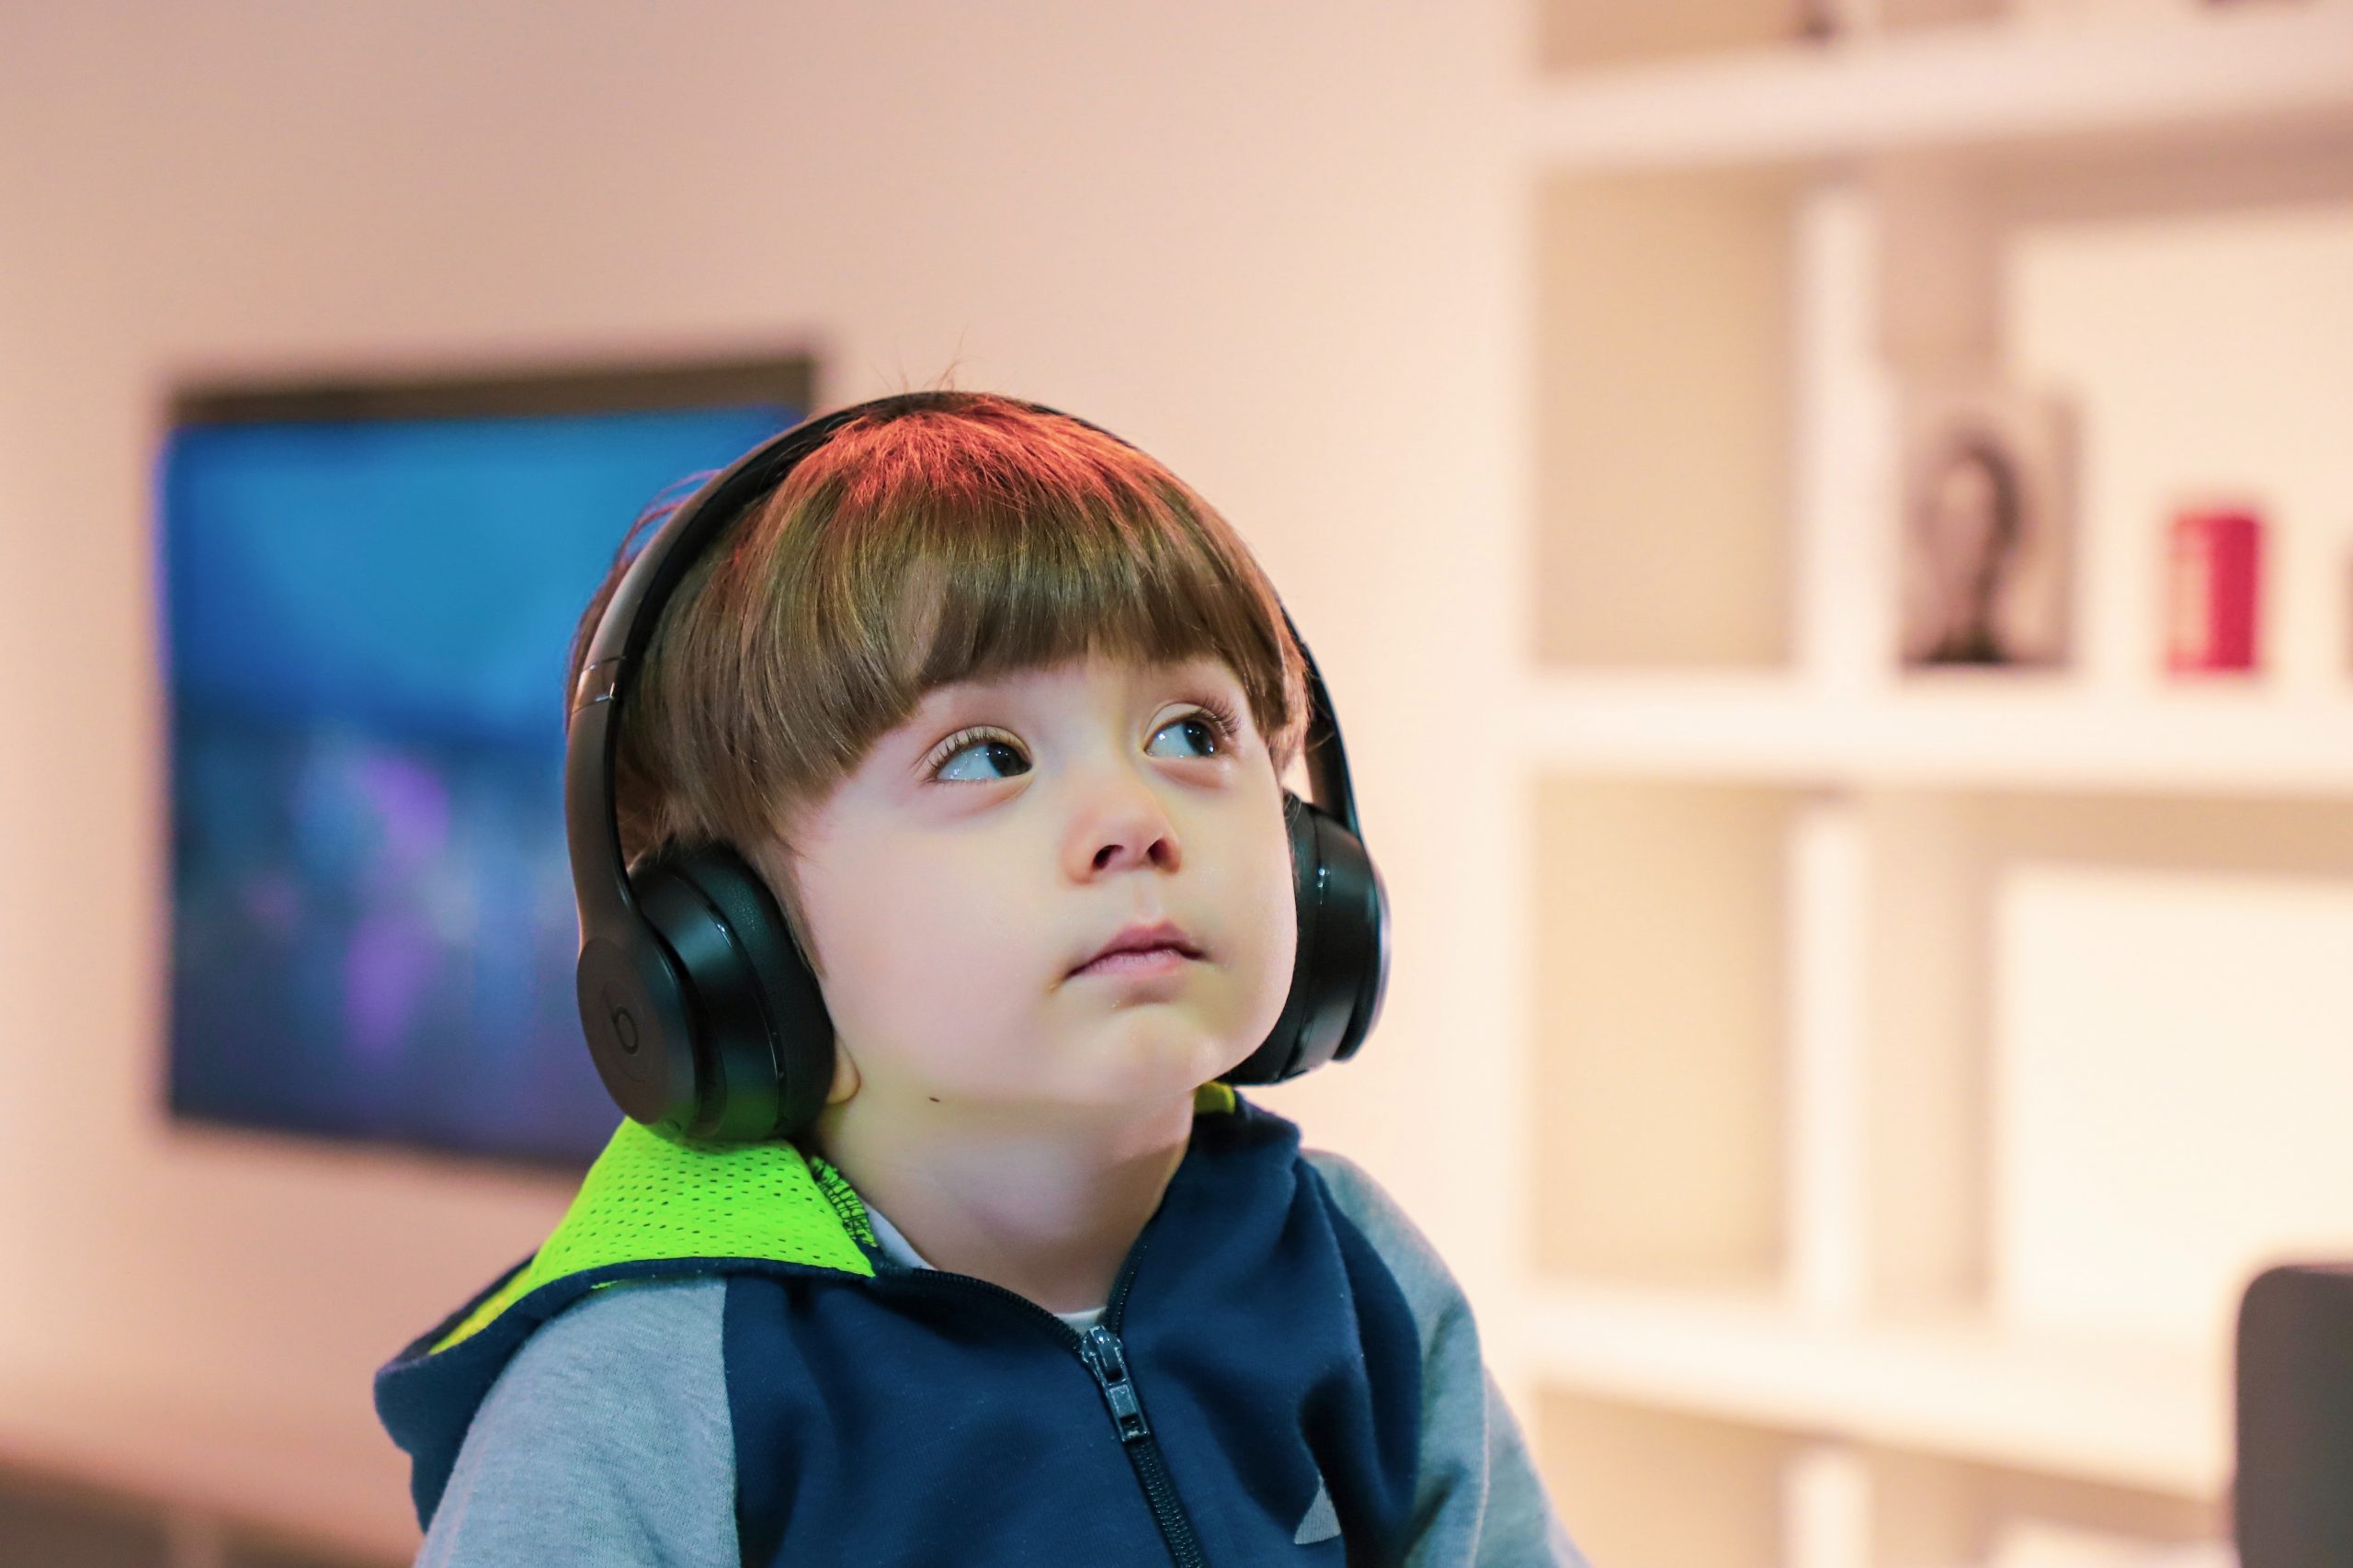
1100, 1351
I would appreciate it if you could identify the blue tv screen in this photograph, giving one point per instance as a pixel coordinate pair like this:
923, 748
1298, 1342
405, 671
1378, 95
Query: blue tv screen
368, 607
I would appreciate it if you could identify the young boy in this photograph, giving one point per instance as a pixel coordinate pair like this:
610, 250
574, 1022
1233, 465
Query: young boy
984, 695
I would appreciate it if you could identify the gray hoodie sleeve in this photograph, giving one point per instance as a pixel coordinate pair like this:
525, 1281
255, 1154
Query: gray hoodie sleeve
605, 1443
1479, 1502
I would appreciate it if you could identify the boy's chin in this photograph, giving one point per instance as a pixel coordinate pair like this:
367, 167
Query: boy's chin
1091, 1107
1133, 1075
1107, 1069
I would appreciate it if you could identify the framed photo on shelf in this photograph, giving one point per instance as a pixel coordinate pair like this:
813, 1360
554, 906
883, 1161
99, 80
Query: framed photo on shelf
1988, 527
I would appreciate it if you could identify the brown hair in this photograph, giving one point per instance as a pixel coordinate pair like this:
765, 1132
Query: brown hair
949, 535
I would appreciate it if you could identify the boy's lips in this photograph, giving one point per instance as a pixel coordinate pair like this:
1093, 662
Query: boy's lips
1136, 964
1143, 937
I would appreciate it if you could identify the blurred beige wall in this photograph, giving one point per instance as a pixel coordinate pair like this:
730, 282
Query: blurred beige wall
1268, 242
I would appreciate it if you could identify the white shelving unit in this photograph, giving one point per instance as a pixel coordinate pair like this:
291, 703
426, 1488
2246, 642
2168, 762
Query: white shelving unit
1793, 1075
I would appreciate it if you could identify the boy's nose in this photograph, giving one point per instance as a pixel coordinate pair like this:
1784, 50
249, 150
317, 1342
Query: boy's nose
1160, 847
1122, 824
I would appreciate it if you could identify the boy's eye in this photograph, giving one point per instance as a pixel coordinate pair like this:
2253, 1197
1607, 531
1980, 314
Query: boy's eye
1214, 729
1205, 732
984, 742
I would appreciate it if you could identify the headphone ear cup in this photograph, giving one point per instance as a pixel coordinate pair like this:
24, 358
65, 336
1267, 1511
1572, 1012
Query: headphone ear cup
761, 1039
633, 1012
1340, 971
1364, 898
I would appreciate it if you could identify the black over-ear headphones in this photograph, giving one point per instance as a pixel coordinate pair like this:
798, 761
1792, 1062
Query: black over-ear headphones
703, 1016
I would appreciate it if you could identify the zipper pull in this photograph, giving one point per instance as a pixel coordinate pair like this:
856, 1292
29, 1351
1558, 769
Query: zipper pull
1099, 1348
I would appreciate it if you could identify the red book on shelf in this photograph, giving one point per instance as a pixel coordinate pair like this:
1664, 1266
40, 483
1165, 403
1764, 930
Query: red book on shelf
2214, 584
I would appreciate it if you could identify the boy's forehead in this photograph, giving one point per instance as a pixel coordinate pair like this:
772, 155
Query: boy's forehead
1114, 667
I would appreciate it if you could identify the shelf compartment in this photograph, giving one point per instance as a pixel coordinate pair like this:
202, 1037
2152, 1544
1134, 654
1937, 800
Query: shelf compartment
1657, 1125
1663, 355
2238, 398
2169, 1082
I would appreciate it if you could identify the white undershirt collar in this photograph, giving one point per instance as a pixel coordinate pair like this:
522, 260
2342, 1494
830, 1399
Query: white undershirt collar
895, 1247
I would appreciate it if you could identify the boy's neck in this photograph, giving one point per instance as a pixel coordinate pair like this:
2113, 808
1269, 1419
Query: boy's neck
1047, 1210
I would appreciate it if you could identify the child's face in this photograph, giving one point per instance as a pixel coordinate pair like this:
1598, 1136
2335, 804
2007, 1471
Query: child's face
988, 847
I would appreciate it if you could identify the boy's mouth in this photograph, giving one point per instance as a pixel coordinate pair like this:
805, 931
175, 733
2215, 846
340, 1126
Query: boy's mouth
1141, 946
1135, 961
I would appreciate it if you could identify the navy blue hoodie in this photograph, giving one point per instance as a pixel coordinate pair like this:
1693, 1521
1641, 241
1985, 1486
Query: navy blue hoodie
713, 1360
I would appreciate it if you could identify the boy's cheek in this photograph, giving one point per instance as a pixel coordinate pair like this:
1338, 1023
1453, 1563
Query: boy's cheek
936, 981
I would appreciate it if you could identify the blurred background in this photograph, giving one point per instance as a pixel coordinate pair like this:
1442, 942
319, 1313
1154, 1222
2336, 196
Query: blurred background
1828, 523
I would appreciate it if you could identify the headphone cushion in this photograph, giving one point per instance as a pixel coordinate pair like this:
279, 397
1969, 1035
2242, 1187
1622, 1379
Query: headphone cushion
764, 1040
1338, 972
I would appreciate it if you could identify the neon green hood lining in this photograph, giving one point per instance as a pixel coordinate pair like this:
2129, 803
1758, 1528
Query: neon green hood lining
648, 1197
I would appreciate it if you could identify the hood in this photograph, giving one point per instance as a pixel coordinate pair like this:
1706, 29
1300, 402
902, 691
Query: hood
648, 1208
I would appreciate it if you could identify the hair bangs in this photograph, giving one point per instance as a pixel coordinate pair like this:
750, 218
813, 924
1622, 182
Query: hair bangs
923, 573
